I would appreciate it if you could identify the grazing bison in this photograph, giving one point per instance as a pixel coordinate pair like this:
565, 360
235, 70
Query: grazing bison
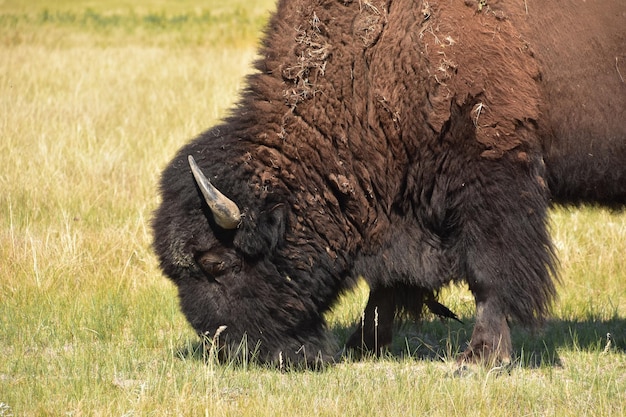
414, 143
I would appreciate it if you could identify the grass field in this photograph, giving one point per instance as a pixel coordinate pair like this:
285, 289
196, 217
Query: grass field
95, 98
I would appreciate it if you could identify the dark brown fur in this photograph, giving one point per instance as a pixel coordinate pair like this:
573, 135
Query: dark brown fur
414, 143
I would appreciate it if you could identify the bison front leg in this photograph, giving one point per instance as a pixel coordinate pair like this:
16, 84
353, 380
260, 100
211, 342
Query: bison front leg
374, 330
509, 261
491, 339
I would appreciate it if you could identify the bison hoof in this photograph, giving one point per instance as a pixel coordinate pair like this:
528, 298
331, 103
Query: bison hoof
486, 355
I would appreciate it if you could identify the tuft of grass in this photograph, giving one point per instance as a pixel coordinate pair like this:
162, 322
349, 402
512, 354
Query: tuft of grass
95, 98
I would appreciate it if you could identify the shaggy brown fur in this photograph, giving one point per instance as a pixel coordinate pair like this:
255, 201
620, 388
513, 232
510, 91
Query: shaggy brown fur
414, 143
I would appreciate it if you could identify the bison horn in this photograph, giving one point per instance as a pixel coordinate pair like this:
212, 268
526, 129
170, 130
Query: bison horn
225, 211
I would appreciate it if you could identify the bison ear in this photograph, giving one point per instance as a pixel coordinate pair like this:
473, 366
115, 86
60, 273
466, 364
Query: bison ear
261, 233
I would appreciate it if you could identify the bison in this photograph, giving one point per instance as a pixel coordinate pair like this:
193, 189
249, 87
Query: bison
413, 143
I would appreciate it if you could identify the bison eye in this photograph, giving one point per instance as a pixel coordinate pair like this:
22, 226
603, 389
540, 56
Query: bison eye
213, 265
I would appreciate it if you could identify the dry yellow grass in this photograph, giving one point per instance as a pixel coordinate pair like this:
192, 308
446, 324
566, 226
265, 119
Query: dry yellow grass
89, 326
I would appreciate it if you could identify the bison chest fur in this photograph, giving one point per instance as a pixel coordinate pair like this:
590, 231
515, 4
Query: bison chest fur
411, 143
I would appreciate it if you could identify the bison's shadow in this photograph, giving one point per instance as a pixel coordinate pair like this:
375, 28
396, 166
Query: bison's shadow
437, 340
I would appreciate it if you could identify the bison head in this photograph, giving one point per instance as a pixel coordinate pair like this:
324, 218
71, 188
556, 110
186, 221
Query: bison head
234, 273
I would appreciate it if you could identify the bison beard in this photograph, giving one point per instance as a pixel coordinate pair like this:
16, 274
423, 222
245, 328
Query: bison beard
414, 144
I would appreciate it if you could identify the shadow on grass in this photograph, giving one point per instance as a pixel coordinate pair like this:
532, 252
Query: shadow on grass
436, 340
540, 348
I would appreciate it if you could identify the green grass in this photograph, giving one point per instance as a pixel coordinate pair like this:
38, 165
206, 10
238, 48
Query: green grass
163, 23
95, 98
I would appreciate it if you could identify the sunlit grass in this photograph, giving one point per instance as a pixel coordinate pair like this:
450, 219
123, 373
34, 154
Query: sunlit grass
164, 23
89, 115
